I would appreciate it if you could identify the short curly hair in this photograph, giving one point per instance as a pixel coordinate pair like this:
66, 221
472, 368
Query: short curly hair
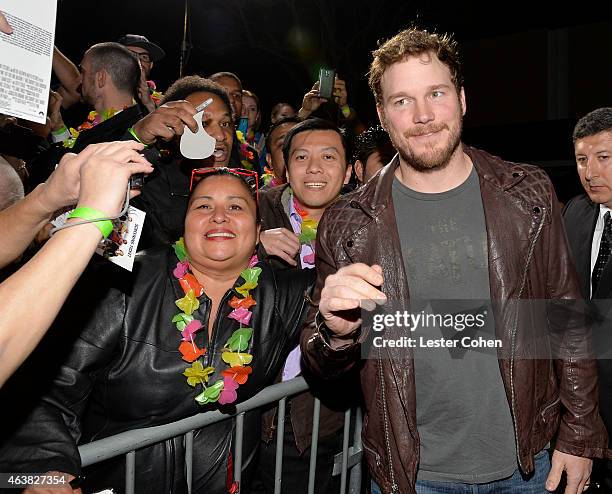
592, 123
183, 87
414, 42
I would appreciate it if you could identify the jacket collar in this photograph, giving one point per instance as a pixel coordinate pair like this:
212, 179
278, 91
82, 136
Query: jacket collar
375, 195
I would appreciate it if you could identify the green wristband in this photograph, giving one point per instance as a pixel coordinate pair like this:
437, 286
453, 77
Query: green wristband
105, 226
346, 111
62, 130
135, 136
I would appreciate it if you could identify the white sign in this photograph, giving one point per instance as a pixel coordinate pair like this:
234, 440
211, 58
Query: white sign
198, 145
26, 57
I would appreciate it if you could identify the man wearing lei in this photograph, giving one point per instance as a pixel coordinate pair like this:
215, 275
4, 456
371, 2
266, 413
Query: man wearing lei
315, 152
109, 72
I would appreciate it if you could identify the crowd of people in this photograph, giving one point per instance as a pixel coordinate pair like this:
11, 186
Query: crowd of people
268, 260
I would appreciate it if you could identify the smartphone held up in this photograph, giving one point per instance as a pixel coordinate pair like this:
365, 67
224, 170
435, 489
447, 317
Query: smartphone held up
326, 83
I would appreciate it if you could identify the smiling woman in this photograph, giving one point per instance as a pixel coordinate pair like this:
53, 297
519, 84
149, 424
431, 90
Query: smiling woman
199, 326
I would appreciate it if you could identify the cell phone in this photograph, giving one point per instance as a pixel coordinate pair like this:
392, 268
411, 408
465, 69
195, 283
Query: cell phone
326, 83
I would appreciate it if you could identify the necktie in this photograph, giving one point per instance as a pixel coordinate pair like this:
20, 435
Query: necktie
605, 248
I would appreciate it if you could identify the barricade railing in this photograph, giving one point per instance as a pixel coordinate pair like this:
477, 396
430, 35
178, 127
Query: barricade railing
127, 443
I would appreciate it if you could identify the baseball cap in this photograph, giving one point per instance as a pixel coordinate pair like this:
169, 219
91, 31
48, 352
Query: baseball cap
155, 52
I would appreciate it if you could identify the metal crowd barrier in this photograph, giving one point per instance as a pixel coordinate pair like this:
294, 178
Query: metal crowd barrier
126, 443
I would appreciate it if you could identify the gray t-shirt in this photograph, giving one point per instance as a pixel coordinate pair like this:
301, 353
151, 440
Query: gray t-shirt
463, 415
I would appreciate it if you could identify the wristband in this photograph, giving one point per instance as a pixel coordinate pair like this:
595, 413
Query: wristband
59, 131
346, 111
61, 134
135, 136
105, 226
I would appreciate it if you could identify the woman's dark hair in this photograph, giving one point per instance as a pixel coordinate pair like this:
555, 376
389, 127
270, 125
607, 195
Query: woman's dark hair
248, 182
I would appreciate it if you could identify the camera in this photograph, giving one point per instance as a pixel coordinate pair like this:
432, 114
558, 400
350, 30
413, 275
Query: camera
137, 181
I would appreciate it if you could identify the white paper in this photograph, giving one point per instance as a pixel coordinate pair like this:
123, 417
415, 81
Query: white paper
121, 245
198, 145
26, 57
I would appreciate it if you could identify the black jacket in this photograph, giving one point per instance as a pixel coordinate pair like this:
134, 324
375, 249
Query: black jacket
124, 371
580, 217
274, 214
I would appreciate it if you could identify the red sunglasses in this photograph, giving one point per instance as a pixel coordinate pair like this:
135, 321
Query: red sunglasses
250, 177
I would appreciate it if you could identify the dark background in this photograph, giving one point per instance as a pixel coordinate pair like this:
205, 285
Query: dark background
531, 68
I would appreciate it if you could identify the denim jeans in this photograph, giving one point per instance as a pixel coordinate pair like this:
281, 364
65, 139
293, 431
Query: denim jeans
517, 483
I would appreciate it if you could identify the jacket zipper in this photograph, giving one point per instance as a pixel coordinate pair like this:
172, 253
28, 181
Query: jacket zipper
216, 327
547, 407
513, 340
394, 487
376, 455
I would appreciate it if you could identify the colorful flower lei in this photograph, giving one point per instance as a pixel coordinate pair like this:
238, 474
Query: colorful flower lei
155, 94
308, 230
222, 391
248, 155
94, 118
270, 179
308, 227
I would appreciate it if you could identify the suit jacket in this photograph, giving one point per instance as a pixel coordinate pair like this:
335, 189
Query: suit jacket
580, 217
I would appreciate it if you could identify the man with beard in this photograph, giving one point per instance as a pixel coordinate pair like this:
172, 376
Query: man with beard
452, 230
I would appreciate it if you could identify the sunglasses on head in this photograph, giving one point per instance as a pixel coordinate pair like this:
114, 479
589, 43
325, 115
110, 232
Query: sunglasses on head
250, 177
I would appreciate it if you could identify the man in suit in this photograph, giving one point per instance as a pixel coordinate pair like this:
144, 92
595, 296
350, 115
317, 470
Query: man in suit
589, 230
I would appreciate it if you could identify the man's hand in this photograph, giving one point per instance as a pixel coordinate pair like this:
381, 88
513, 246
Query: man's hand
5, 27
351, 287
56, 489
282, 243
53, 110
62, 188
166, 122
340, 94
143, 93
577, 471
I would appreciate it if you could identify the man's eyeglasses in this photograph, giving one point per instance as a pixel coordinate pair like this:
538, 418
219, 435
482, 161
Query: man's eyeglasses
144, 56
249, 177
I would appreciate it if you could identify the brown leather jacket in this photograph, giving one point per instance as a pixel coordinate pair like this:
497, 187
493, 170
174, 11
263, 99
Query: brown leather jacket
528, 259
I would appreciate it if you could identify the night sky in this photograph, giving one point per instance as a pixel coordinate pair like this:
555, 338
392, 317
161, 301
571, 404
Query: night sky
531, 68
